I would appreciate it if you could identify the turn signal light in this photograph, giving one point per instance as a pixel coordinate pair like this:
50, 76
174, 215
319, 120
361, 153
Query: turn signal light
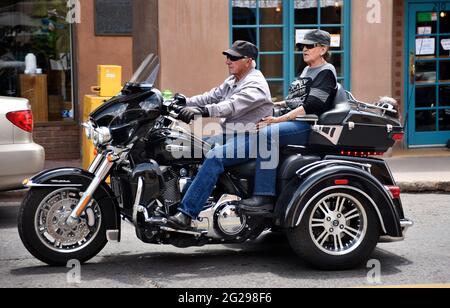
21, 119
111, 158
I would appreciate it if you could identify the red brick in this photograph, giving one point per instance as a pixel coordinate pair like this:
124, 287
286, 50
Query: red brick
59, 142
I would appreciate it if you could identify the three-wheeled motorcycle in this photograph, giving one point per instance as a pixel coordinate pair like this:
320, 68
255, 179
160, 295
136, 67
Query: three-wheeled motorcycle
336, 200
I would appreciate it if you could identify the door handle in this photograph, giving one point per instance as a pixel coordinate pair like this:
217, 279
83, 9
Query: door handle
412, 66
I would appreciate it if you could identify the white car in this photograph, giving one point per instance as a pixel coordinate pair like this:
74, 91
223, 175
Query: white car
20, 157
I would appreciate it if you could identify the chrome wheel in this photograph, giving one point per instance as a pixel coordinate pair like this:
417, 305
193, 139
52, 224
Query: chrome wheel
338, 224
51, 227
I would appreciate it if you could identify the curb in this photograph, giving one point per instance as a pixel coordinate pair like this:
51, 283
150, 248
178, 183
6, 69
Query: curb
424, 187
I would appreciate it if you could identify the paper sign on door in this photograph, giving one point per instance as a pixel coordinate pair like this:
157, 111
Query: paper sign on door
336, 40
425, 47
445, 44
424, 30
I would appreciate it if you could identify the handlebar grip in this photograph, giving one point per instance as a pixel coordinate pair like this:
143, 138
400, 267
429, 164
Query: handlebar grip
177, 108
173, 114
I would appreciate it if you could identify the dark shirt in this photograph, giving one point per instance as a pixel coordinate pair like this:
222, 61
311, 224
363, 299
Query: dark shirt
315, 90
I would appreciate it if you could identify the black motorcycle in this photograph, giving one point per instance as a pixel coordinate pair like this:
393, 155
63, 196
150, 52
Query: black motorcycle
336, 200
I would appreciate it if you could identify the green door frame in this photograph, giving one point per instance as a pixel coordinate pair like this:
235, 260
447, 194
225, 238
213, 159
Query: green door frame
421, 139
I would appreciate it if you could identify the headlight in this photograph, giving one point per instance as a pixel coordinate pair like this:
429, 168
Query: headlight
89, 130
104, 135
99, 136
95, 139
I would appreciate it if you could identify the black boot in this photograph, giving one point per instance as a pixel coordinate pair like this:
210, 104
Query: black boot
258, 204
180, 221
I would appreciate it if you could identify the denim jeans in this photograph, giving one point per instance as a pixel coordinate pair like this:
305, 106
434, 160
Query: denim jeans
239, 150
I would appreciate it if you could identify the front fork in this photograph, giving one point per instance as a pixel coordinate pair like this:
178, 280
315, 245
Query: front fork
100, 167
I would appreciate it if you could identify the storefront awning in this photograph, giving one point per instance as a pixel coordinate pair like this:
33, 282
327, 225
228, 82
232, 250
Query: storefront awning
298, 4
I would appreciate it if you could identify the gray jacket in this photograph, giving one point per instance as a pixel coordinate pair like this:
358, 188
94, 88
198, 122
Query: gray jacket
243, 102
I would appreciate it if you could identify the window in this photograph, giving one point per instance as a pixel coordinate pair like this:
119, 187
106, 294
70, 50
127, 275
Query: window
275, 26
262, 23
37, 32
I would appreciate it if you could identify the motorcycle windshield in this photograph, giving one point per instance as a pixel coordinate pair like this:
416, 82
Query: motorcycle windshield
147, 71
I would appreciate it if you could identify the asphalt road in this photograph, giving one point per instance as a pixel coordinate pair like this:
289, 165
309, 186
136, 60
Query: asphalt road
424, 258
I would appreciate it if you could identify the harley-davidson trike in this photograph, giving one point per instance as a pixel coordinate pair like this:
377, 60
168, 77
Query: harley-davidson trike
336, 200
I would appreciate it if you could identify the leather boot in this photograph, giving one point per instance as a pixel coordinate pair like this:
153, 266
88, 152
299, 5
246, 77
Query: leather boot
258, 204
180, 221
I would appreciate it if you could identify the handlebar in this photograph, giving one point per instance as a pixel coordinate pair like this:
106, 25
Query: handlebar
173, 108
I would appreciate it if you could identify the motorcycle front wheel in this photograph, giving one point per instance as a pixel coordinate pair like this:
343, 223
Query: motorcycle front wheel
46, 236
338, 231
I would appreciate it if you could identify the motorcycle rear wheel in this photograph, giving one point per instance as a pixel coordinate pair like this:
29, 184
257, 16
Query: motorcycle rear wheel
338, 231
43, 231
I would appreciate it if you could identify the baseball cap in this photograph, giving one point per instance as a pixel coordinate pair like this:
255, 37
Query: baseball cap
316, 37
242, 49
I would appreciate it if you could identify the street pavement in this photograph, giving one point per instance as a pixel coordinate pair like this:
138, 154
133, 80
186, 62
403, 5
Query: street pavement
423, 258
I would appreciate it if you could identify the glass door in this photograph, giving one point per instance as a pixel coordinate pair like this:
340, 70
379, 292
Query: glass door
429, 74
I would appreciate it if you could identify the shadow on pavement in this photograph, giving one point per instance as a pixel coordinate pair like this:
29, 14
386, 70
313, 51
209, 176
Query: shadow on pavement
270, 254
8, 216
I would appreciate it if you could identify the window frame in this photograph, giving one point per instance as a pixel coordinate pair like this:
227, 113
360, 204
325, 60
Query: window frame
289, 49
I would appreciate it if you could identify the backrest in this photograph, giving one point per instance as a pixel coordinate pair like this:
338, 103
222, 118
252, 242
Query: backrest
341, 96
339, 109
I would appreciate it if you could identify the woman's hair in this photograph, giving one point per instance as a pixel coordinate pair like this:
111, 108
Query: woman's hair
327, 55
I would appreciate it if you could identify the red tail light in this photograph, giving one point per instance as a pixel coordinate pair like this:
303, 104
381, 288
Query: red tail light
21, 119
398, 137
395, 191
361, 154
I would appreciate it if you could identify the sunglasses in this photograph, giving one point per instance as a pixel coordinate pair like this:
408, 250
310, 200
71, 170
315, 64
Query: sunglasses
308, 46
234, 58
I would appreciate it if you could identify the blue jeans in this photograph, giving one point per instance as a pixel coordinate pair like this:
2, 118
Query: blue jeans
239, 150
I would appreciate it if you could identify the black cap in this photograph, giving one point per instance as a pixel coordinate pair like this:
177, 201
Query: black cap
316, 37
243, 49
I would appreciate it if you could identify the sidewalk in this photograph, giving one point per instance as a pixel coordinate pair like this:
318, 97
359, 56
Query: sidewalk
421, 170
415, 171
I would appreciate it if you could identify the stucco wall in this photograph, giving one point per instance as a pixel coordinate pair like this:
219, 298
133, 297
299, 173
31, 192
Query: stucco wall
94, 50
372, 47
192, 36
